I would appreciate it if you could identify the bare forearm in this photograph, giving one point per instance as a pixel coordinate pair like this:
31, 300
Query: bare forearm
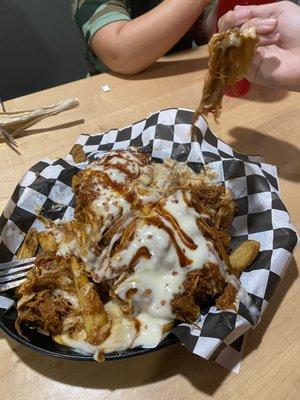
129, 47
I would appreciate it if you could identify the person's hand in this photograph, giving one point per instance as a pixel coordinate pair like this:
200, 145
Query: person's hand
277, 59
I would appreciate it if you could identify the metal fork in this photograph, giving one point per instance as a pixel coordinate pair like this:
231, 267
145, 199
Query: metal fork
6, 135
13, 273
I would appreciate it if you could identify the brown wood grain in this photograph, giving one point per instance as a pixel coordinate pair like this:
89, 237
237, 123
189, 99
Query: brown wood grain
264, 122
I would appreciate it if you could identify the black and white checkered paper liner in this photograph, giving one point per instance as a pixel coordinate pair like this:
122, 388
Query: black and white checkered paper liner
46, 189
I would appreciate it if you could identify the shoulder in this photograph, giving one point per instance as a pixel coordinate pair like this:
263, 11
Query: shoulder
85, 11
92, 15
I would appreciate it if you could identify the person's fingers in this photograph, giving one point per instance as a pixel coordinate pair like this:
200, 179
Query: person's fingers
233, 18
256, 72
263, 26
261, 11
275, 68
268, 40
241, 14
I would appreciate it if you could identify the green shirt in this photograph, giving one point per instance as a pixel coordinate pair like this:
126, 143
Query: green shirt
92, 15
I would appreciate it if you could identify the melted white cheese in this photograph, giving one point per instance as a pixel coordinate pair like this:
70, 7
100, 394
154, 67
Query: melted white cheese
123, 331
157, 279
114, 173
65, 248
151, 330
79, 344
161, 276
122, 334
250, 32
110, 206
69, 297
151, 179
233, 40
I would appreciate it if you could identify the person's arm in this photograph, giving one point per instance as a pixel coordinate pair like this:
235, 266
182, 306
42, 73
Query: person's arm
128, 47
277, 61
206, 26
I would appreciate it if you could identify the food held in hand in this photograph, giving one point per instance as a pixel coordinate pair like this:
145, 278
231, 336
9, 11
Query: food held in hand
230, 55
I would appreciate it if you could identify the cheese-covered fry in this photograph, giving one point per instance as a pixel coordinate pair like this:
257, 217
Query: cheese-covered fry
29, 246
244, 255
77, 153
47, 242
95, 320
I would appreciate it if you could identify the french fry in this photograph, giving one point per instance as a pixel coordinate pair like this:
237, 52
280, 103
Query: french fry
29, 246
244, 255
58, 339
77, 153
167, 327
227, 298
47, 242
95, 319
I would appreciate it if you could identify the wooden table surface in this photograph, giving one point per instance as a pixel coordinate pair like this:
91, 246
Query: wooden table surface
264, 122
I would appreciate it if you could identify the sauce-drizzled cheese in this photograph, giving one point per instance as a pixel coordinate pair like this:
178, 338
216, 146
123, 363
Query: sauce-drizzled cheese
110, 206
122, 180
150, 265
123, 330
234, 38
165, 247
151, 241
151, 330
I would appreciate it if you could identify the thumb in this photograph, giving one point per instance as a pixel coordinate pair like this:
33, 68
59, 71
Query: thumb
263, 65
